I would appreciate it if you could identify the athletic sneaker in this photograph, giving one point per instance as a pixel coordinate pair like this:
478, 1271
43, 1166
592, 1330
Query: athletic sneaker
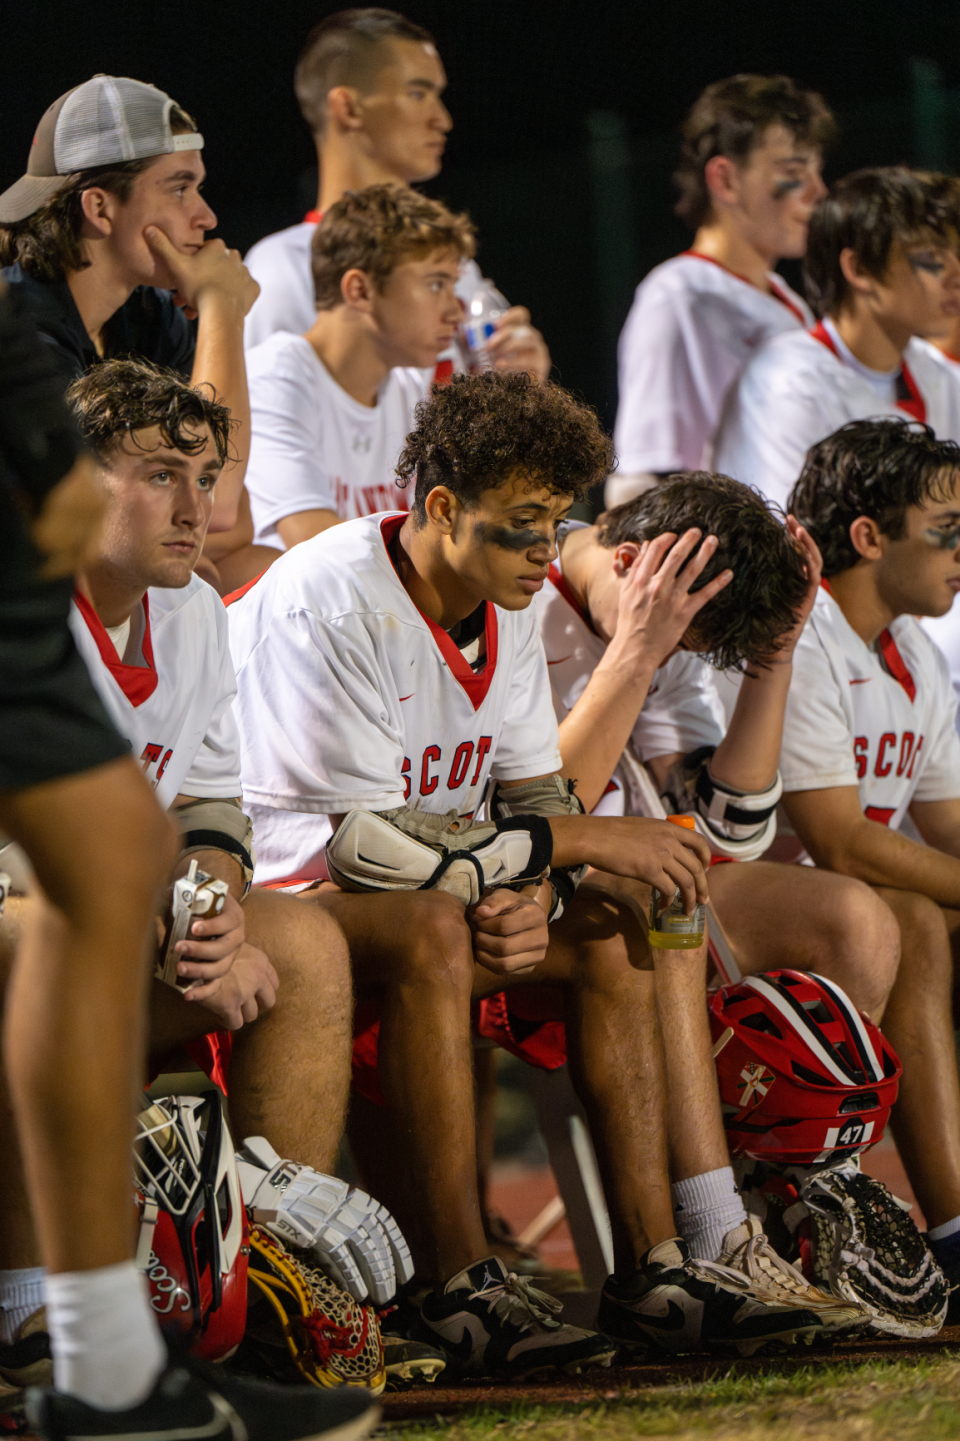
194, 1402
746, 1249
410, 1363
492, 1322
683, 1304
864, 1247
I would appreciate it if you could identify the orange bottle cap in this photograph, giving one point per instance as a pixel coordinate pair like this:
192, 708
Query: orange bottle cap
687, 821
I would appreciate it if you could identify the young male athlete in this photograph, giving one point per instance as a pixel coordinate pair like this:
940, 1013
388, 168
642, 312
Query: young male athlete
369, 84
332, 408
74, 1043
749, 178
881, 267
106, 236
869, 739
154, 639
388, 670
634, 607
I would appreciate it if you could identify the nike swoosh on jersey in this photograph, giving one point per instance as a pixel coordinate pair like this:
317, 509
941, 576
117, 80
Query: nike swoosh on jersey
862, 680
560, 661
407, 697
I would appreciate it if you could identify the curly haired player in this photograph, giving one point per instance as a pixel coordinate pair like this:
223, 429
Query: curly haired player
388, 670
869, 741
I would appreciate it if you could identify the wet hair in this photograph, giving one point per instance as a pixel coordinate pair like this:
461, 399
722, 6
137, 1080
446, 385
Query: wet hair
47, 243
878, 468
867, 212
747, 621
731, 118
479, 431
347, 49
117, 398
375, 230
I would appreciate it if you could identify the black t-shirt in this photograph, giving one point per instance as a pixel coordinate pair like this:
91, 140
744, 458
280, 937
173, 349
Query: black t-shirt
148, 326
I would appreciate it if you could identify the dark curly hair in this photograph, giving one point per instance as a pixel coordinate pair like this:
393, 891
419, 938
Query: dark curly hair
868, 211
731, 118
747, 621
120, 397
878, 468
476, 432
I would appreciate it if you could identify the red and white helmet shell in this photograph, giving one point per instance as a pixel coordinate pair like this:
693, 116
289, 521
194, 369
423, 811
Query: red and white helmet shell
194, 1237
805, 1078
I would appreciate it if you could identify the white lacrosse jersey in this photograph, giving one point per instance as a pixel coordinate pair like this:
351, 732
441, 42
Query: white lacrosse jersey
280, 264
313, 447
350, 698
877, 717
681, 712
692, 329
172, 693
803, 386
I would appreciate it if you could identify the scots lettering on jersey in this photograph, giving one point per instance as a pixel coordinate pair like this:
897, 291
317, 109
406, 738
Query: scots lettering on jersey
894, 751
150, 756
432, 767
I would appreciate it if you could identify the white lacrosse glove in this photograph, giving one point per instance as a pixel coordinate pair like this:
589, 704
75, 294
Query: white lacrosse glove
350, 1235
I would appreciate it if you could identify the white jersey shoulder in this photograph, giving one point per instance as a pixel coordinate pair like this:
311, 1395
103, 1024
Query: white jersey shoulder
692, 329
877, 717
795, 392
313, 446
172, 694
349, 697
280, 264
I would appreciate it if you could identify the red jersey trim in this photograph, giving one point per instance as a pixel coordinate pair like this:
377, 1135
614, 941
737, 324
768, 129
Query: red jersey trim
775, 290
557, 578
138, 682
475, 685
239, 594
914, 405
892, 658
312, 217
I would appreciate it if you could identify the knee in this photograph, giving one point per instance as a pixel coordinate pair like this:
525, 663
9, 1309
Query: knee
924, 938
436, 941
865, 938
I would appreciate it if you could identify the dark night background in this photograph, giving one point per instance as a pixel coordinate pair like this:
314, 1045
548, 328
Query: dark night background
565, 118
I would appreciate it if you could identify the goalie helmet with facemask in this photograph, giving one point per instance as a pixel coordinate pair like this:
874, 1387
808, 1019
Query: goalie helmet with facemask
194, 1236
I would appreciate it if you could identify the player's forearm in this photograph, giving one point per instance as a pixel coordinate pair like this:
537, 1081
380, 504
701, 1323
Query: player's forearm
595, 733
304, 525
219, 362
871, 852
218, 864
748, 756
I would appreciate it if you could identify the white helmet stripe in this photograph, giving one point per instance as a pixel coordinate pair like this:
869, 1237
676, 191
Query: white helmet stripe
810, 1036
853, 1020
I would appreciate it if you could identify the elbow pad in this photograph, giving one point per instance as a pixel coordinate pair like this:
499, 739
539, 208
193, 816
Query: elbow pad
218, 825
407, 850
738, 823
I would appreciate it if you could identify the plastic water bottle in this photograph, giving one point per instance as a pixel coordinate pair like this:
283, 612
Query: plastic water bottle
672, 929
484, 305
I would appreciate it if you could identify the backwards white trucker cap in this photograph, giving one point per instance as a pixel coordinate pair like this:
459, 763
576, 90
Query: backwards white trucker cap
104, 121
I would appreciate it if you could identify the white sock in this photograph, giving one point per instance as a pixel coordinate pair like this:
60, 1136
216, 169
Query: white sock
106, 1344
705, 1209
21, 1293
936, 1233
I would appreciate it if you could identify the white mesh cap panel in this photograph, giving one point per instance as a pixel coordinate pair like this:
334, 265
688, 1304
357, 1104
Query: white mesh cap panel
111, 119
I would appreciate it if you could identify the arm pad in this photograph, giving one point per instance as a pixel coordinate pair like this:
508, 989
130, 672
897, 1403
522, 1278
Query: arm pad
218, 825
738, 823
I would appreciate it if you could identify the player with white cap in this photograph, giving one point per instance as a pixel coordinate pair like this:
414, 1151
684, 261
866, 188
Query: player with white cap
106, 236
749, 178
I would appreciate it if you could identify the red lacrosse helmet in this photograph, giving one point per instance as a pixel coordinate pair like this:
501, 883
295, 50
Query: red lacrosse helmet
194, 1236
804, 1076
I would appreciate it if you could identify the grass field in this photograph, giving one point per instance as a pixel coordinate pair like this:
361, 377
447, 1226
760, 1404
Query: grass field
908, 1399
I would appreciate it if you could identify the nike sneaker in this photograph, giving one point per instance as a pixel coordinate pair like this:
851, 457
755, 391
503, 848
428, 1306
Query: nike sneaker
195, 1402
677, 1303
747, 1249
491, 1322
863, 1247
407, 1361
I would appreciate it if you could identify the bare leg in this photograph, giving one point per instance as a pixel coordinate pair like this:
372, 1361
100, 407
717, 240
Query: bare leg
811, 920
919, 1023
415, 949
74, 1024
600, 957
